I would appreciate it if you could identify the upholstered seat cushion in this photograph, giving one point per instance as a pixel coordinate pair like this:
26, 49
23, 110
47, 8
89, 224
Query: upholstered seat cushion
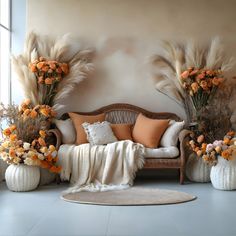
162, 152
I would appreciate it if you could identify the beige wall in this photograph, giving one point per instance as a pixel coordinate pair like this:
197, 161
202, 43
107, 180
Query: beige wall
126, 33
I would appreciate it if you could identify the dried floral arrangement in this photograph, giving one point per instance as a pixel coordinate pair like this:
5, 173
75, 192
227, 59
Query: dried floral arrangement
225, 148
25, 140
48, 75
62, 70
195, 78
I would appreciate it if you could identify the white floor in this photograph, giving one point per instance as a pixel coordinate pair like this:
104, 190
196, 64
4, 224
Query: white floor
43, 213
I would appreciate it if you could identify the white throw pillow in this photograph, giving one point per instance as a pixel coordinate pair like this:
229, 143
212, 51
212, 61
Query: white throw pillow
170, 137
67, 130
99, 133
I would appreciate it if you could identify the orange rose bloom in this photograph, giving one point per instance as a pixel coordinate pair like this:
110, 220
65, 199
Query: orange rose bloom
48, 81
185, 74
40, 65
203, 84
231, 133
45, 68
52, 65
194, 87
33, 68
215, 81
59, 70
200, 76
7, 132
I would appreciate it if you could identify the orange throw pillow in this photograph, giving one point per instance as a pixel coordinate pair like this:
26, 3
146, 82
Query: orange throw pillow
149, 131
122, 131
78, 120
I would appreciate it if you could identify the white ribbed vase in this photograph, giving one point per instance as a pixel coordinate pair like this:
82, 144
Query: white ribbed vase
197, 170
22, 178
223, 175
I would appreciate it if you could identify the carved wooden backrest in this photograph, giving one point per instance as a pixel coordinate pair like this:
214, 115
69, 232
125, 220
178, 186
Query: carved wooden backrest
126, 113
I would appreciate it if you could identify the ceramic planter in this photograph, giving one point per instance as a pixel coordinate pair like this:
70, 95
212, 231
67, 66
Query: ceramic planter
21, 178
197, 170
223, 175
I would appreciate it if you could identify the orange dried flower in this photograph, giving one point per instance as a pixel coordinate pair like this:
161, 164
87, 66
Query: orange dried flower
226, 141
12, 152
42, 133
7, 132
203, 84
40, 65
12, 128
45, 164
33, 114
42, 142
26, 112
65, 68
185, 74
48, 81
45, 112
45, 68
194, 87
13, 137
55, 169
59, 70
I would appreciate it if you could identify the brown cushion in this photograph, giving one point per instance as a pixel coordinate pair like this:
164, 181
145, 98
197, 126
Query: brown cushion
78, 120
122, 131
149, 131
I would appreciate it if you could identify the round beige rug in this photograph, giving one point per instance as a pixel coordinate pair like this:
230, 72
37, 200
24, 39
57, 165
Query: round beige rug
131, 196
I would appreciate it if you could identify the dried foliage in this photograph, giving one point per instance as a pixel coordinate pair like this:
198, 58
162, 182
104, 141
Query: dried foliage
61, 50
176, 58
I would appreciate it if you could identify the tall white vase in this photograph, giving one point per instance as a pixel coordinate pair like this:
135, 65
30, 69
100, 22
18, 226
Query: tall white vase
21, 178
197, 170
223, 175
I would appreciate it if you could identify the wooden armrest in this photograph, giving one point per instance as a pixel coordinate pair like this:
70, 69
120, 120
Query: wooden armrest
58, 136
183, 139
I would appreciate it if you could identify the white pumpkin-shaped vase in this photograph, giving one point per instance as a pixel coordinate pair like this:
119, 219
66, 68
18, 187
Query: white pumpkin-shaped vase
22, 178
197, 170
223, 175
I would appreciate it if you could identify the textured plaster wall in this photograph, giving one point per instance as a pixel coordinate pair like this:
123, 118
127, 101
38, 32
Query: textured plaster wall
125, 34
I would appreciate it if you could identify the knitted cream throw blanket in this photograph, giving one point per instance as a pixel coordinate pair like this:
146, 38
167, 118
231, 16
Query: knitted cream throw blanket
100, 168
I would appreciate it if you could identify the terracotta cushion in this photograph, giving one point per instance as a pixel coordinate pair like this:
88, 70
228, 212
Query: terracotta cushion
149, 131
122, 131
78, 120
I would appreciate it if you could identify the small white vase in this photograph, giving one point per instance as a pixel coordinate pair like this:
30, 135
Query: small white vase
197, 170
46, 177
22, 178
223, 175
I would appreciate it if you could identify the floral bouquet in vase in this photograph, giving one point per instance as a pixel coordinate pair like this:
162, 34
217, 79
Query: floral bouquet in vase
221, 154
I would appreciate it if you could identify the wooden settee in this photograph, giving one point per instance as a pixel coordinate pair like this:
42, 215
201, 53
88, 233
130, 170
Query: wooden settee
126, 113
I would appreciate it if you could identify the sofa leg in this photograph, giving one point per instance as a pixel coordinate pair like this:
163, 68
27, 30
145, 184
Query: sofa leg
181, 176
